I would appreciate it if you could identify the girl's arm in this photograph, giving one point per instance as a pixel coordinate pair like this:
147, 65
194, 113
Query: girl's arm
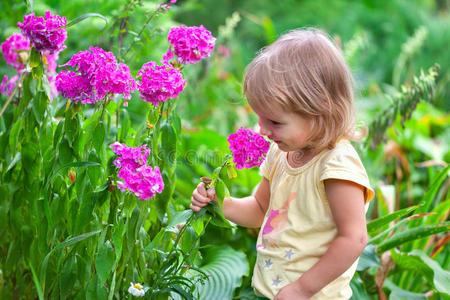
346, 200
247, 212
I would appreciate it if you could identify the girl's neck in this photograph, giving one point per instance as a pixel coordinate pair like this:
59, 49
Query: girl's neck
299, 158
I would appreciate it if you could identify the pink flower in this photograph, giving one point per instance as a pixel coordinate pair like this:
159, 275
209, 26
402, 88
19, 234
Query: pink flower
100, 74
75, 87
165, 6
11, 47
167, 57
51, 59
45, 33
139, 178
130, 158
8, 86
249, 148
191, 44
158, 83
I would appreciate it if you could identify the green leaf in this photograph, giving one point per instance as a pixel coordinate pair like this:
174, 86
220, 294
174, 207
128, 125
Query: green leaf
15, 133
83, 17
418, 261
77, 164
66, 243
35, 58
68, 277
39, 106
401, 294
104, 263
430, 194
95, 174
179, 290
217, 217
369, 258
413, 234
117, 237
66, 154
17, 158
99, 137
180, 217
96, 289
227, 267
58, 133
376, 224
71, 126
168, 143
36, 282
222, 191
189, 239
176, 121
132, 227
358, 290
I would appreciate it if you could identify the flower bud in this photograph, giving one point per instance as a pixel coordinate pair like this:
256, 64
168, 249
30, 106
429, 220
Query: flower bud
72, 177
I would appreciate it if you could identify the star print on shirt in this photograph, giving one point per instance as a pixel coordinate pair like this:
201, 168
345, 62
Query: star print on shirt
268, 263
276, 281
288, 254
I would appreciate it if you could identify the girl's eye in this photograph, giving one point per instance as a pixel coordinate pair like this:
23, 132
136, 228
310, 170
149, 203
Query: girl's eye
275, 122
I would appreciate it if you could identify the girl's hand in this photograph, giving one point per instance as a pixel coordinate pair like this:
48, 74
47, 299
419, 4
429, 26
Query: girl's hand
201, 197
292, 291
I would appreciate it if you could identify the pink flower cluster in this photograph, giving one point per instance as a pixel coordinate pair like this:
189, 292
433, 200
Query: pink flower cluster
157, 83
97, 74
164, 6
8, 85
45, 33
138, 177
15, 50
191, 44
11, 47
249, 148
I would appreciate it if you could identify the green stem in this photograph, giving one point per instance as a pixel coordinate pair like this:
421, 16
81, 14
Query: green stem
142, 30
19, 82
104, 106
216, 174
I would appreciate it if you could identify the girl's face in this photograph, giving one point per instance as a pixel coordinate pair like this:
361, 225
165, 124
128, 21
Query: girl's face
288, 129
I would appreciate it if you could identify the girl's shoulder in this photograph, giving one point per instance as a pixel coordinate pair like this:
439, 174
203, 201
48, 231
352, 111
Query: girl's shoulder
342, 148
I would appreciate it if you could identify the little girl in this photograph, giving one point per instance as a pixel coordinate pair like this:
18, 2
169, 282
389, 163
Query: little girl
311, 201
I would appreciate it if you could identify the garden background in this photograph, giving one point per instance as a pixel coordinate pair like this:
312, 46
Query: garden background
67, 232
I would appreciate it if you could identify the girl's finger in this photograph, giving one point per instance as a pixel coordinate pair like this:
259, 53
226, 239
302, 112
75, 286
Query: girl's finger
195, 208
201, 188
197, 196
211, 193
198, 203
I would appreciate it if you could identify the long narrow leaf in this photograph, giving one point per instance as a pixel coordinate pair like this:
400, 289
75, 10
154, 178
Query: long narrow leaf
83, 17
377, 239
377, 223
76, 164
432, 190
36, 282
66, 243
413, 234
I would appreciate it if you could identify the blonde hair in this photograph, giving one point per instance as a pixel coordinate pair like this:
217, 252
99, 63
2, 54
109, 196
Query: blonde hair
304, 72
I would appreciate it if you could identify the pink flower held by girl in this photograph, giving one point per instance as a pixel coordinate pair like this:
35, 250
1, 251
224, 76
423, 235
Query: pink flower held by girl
45, 33
249, 148
191, 44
